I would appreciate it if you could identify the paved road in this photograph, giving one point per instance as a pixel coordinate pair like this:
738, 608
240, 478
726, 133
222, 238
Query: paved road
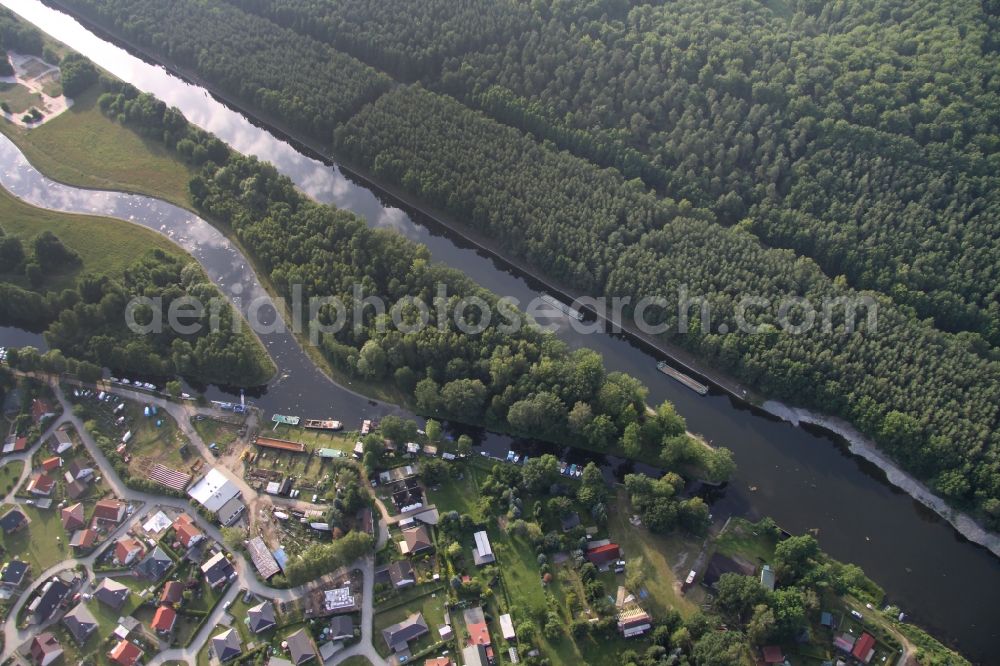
13, 637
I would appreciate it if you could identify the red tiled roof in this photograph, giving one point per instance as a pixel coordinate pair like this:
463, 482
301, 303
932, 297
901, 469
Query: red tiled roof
72, 517
52, 463
186, 530
87, 538
124, 547
40, 408
172, 593
107, 509
863, 647
20, 444
479, 634
41, 483
164, 619
603, 553
125, 653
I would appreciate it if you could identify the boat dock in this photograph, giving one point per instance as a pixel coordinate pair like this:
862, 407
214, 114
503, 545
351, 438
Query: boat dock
692, 384
323, 424
562, 307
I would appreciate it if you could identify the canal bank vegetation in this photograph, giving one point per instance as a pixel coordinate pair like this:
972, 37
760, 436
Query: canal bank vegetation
76, 291
534, 209
525, 382
935, 410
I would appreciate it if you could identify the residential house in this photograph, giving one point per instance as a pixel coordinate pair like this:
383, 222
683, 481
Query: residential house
262, 558
227, 645
80, 470
125, 653
14, 575
111, 511
401, 574
64, 442
483, 552
45, 649
475, 655
341, 627
416, 540
479, 633
261, 617
173, 592
15, 444
218, 570
41, 484
83, 539
340, 600
41, 409
231, 511
48, 599
80, 623
187, 533
438, 661
111, 593
127, 549
76, 489
634, 621
398, 636
603, 555
163, 620
155, 565
301, 647
51, 464
864, 649
73, 517
13, 521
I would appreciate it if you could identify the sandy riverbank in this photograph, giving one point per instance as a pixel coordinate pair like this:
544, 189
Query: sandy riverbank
860, 445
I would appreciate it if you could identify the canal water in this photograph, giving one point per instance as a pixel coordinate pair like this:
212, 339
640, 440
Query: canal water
802, 477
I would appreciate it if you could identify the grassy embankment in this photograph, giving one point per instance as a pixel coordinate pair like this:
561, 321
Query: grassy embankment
106, 246
82, 147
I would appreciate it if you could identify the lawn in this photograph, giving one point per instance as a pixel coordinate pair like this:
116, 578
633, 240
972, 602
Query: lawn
9, 474
105, 245
657, 553
214, 431
43, 543
82, 147
19, 98
431, 605
157, 439
459, 495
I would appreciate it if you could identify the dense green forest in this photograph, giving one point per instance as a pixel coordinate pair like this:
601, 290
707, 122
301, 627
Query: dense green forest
86, 323
300, 82
860, 133
929, 398
735, 107
406, 41
526, 381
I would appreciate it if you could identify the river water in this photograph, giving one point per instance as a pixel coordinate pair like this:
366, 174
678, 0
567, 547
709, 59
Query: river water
802, 477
